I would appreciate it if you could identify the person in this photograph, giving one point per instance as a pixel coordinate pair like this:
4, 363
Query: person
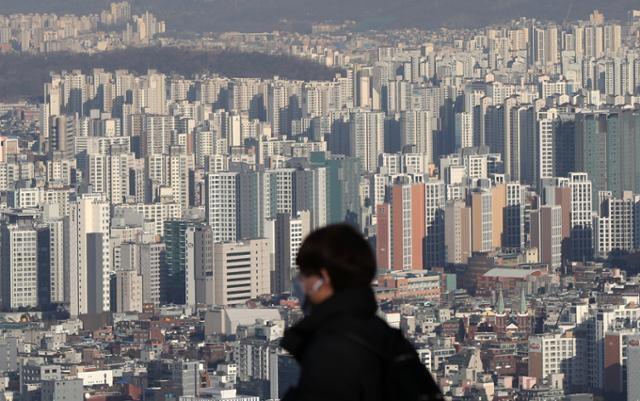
339, 341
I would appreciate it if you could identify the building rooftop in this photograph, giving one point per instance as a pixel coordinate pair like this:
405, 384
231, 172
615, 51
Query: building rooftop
509, 273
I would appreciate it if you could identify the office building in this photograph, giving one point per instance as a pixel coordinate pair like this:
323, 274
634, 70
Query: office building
241, 271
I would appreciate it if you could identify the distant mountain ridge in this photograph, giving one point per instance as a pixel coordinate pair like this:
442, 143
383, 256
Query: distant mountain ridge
267, 15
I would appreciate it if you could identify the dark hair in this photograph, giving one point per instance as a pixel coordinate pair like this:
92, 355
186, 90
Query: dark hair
343, 252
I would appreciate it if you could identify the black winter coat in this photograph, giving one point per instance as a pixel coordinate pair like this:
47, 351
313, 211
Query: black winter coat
332, 366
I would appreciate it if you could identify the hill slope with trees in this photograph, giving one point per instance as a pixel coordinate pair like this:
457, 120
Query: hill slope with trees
22, 76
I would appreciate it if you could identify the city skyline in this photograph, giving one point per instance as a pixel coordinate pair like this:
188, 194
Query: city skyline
150, 220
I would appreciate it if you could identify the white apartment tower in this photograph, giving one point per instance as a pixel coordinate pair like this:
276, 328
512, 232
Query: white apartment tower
155, 93
129, 293
416, 130
19, 273
144, 259
221, 208
277, 108
179, 164
156, 134
545, 166
57, 250
366, 138
464, 130
89, 255
581, 216
615, 224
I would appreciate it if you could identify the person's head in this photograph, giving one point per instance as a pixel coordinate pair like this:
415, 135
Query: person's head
333, 259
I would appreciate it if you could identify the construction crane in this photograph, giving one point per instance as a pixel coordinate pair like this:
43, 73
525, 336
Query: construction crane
564, 305
566, 17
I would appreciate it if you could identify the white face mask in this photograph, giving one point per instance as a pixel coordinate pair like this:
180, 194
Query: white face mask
316, 286
306, 303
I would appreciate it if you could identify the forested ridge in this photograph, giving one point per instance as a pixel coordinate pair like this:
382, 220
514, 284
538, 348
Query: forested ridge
22, 75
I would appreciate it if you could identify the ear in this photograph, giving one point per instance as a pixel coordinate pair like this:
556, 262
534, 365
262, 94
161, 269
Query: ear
325, 276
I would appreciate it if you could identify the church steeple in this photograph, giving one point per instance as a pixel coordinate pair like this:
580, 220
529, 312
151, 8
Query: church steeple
500, 303
523, 302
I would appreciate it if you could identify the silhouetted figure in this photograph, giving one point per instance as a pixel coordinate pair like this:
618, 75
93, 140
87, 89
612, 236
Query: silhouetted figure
345, 351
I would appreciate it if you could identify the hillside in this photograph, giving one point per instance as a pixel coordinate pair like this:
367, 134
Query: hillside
22, 76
